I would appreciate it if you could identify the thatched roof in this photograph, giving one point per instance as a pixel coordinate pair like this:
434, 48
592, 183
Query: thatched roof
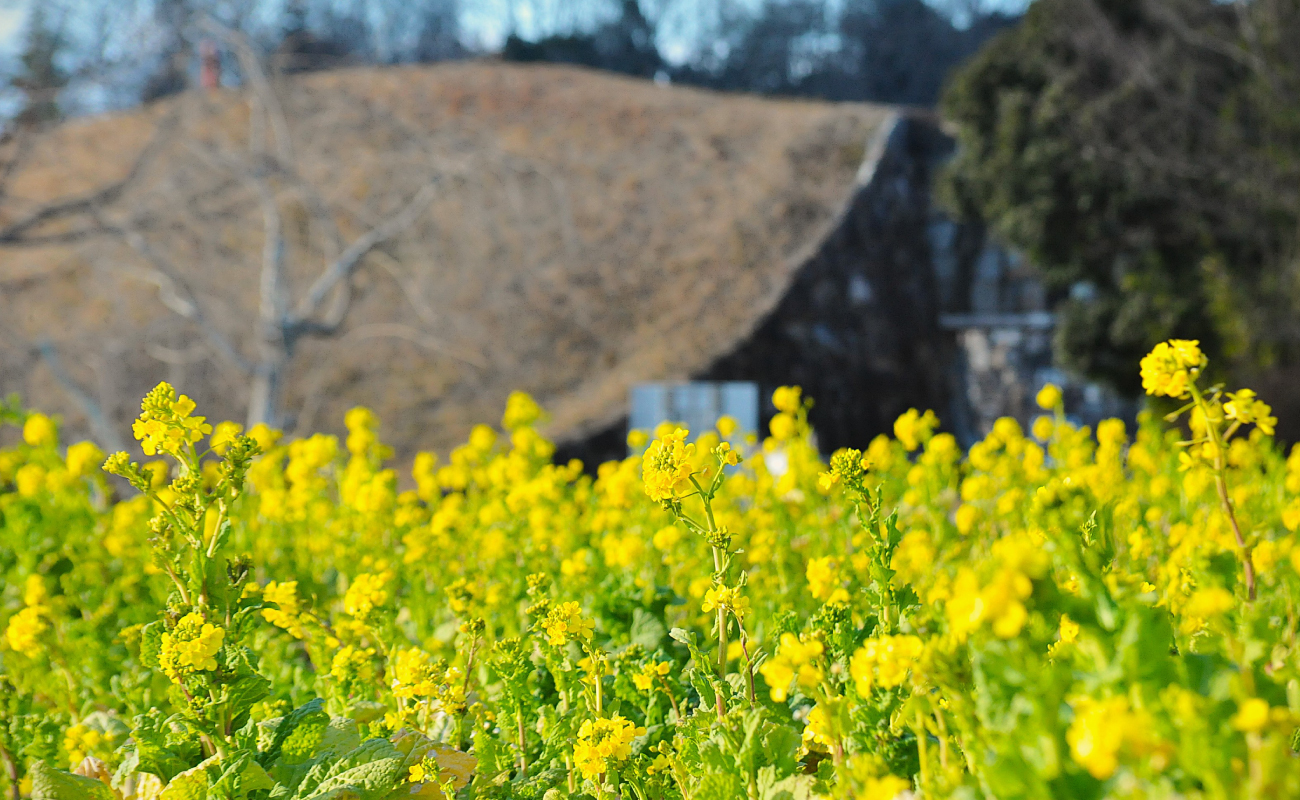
590, 232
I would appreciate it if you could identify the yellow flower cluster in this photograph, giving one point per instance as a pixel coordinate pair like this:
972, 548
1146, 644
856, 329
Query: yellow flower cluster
884, 661
190, 647
416, 674
80, 741
727, 598
652, 672
565, 623
165, 424
40, 431
914, 429
367, 592
603, 744
1171, 368
26, 629
667, 468
1103, 731
288, 614
795, 659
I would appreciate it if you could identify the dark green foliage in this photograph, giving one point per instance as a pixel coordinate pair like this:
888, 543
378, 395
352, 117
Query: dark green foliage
42, 78
1143, 156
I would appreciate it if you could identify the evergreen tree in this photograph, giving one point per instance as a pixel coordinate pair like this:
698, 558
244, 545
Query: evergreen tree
42, 78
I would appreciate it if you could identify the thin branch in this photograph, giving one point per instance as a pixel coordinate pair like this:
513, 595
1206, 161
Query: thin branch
14, 233
176, 294
417, 337
100, 425
258, 81
346, 264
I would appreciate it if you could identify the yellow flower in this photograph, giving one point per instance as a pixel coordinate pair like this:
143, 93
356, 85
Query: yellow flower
888, 787
787, 399
1205, 604
636, 439
666, 539
726, 598
30, 479
565, 622
646, 678
914, 429
521, 412
965, 518
1042, 428
165, 424
727, 425
353, 664
1243, 407
83, 458
1049, 397
40, 431
1252, 715
1101, 730
1069, 634
604, 744
1171, 367
80, 741
415, 674
1069, 629
223, 435
289, 613
25, 629
884, 662
190, 647
783, 427
666, 468
794, 658
366, 594
818, 729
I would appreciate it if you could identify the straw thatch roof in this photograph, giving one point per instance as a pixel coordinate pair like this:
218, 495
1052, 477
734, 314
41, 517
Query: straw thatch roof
589, 232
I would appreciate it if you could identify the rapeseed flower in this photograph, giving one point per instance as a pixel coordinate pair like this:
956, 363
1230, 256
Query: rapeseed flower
189, 648
666, 467
1171, 367
603, 744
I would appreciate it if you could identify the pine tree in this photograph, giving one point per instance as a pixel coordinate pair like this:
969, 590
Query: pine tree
42, 78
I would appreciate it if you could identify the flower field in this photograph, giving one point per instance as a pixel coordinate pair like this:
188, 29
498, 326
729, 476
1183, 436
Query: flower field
1056, 613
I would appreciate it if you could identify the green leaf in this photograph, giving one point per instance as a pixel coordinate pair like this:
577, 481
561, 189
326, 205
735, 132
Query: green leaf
192, 784
154, 751
49, 783
243, 694
356, 768
647, 630
298, 734
151, 644
240, 776
372, 779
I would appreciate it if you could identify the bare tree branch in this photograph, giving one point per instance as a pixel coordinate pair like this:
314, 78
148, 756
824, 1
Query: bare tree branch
258, 81
396, 330
101, 427
346, 264
176, 294
15, 233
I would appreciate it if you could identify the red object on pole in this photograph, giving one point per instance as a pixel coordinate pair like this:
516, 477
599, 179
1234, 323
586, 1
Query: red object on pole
210, 66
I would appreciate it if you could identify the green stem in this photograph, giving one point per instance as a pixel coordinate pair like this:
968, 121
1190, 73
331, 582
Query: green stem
749, 663
523, 742
1221, 485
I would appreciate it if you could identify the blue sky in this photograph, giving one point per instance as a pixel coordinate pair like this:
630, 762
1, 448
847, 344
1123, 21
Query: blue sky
483, 20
